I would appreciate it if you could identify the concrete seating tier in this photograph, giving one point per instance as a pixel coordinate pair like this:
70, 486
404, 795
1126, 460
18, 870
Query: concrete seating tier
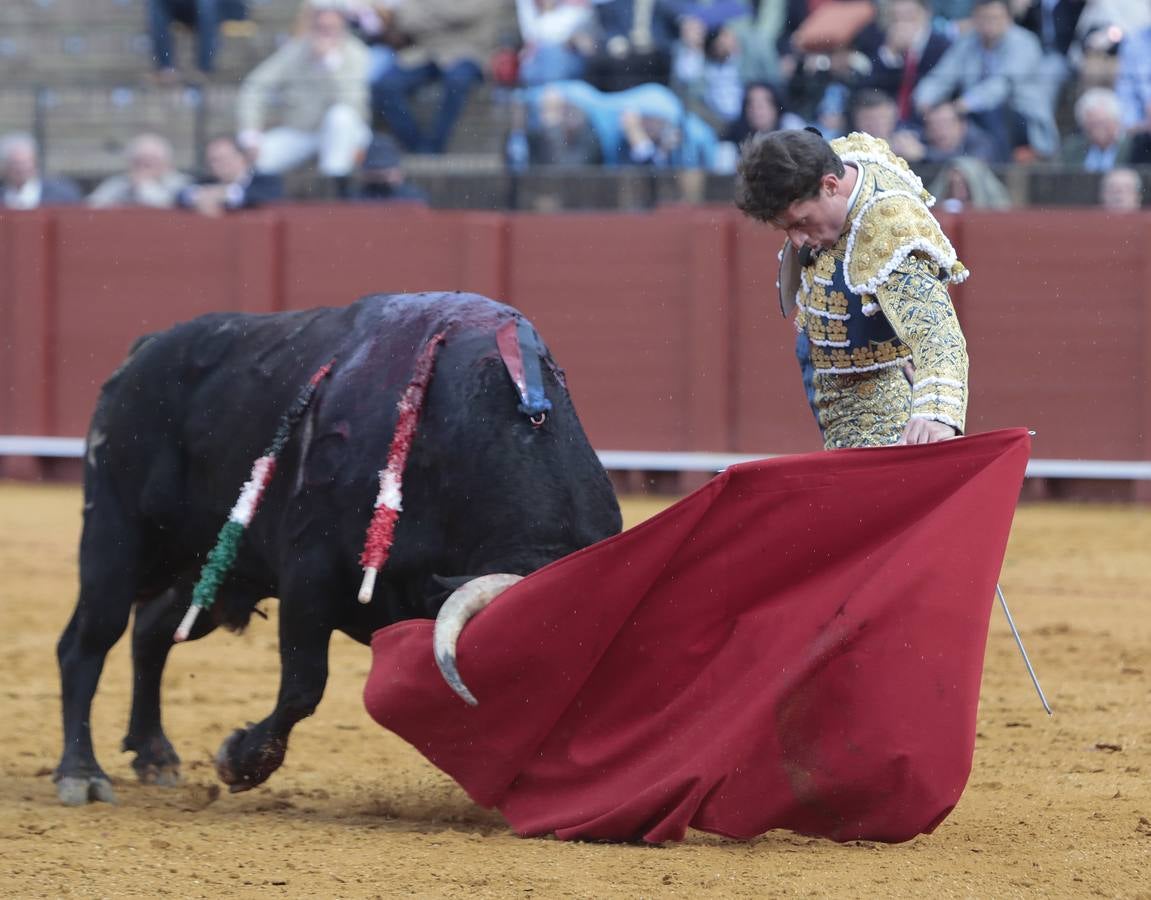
63, 41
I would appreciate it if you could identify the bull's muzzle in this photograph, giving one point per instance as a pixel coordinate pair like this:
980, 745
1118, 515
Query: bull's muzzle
465, 602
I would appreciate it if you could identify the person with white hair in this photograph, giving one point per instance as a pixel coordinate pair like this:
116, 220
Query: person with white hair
22, 185
316, 86
1101, 142
151, 180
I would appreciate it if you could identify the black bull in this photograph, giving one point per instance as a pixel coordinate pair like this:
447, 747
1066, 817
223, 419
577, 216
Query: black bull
174, 436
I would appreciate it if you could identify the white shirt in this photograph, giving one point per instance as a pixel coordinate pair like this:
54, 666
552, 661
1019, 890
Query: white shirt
27, 197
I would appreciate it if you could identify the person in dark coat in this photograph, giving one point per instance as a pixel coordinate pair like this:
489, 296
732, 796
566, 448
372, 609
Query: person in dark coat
908, 48
231, 183
21, 182
382, 176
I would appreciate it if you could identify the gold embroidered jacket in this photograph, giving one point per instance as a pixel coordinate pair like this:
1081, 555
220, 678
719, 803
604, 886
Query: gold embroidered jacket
878, 298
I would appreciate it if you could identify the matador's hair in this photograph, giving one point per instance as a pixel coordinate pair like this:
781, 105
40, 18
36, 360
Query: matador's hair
780, 168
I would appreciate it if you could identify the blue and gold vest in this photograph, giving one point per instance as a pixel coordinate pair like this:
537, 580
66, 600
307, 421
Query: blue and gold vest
847, 331
889, 220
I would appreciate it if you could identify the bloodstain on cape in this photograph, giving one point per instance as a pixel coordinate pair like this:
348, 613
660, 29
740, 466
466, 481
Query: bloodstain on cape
798, 644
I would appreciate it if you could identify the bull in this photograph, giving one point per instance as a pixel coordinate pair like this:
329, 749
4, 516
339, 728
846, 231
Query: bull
487, 491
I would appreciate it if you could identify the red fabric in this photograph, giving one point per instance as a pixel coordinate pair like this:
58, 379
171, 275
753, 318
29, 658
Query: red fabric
798, 644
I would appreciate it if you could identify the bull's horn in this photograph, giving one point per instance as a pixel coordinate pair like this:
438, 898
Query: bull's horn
465, 602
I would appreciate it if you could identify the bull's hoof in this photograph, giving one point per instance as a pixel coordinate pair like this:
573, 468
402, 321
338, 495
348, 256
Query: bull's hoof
248, 757
156, 762
224, 767
77, 790
159, 775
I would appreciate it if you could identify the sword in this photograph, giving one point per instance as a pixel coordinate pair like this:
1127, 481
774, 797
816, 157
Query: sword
1019, 643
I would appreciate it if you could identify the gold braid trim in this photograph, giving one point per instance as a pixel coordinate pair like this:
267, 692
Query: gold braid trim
858, 147
892, 221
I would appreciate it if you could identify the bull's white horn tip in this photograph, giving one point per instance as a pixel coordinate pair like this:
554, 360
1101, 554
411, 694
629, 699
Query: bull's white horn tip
447, 665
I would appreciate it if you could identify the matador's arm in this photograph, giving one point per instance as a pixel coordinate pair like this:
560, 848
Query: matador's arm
918, 307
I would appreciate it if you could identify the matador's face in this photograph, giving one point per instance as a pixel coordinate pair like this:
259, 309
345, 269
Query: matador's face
818, 222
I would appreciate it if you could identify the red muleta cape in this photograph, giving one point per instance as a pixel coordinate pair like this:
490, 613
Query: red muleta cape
798, 644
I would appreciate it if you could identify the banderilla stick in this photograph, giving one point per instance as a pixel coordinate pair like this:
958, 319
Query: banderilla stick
1019, 642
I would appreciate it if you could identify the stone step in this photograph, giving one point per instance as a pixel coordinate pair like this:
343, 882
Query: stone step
58, 41
86, 128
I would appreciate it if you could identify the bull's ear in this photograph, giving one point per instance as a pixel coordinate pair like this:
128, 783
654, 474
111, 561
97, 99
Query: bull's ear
451, 582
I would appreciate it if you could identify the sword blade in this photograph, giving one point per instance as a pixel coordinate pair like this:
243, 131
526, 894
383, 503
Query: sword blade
1022, 650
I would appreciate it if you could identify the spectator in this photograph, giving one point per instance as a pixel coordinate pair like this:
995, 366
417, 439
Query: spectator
705, 72
1095, 55
23, 187
760, 113
649, 140
874, 112
1133, 80
814, 28
443, 40
151, 179
910, 48
1127, 16
635, 45
558, 37
990, 74
319, 82
382, 176
368, 21
1053, 22
201, 16
758, 35
1100, 143
953, 16
645, 125
967, 183
559, 133
1121, 190
231, 182
820, 91
948, 135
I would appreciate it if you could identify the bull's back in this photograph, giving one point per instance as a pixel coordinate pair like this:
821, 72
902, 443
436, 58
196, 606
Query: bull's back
208, 394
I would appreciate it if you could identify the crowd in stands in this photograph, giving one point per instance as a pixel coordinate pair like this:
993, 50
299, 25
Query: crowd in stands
961, 86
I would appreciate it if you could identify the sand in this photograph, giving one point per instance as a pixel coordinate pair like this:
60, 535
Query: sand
1055, 806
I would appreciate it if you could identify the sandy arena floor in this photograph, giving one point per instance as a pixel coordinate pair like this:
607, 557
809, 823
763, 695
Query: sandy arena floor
1055, 807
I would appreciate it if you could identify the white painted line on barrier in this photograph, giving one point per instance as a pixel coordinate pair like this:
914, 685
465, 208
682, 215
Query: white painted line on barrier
652, 461
1139, 470
19, 445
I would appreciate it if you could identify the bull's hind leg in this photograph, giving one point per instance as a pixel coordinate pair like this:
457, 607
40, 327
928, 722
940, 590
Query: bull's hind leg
109, 551
156, 621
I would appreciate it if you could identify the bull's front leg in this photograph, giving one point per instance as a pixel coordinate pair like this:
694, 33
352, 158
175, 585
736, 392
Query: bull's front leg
250, 755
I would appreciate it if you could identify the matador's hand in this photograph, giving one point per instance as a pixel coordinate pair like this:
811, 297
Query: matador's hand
925, 431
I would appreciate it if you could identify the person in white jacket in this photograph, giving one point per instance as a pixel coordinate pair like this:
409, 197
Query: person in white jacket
558, 36
316, 86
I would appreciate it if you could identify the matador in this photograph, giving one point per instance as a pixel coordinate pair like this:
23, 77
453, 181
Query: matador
866, 268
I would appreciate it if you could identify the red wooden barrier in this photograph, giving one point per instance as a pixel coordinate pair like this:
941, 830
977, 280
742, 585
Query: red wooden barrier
667, 323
